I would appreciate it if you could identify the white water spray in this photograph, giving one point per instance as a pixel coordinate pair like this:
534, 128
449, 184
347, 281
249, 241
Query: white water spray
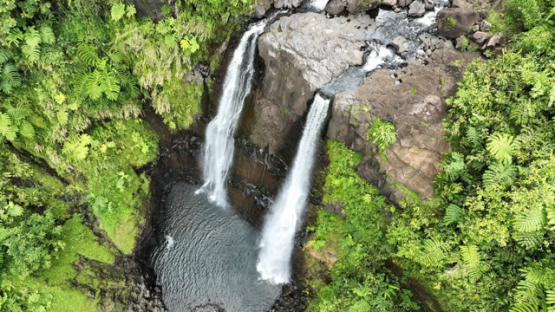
283, 220
219, 145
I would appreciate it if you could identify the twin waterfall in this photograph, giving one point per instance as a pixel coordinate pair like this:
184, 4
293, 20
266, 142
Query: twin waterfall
219, 145
284, 218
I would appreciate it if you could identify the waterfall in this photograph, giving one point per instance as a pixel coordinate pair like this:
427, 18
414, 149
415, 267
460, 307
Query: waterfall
219, 145
283, 220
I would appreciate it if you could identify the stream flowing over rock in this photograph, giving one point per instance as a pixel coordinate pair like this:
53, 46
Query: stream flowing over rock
302, 52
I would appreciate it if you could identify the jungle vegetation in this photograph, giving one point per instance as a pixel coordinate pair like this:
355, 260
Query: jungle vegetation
75, 79
485, 241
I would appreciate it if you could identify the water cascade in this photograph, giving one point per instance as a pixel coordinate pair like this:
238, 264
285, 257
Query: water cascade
219, 144
283, 220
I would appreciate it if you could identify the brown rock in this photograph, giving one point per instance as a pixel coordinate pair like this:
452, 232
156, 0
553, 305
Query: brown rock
404, 3
358, 6
461, 4
485, 26
453, 23
324, 255
389, 3
496, 39
417, 9
480, 37
459, 42
335, 7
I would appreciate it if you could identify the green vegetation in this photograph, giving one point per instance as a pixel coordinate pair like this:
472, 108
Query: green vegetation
74, 79
485, 241
382, 134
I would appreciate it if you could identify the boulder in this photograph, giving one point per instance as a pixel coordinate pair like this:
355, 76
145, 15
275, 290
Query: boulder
389, 3
459, 42
485, 26
417, 9
496, 39
398, 44
461, 4
480, 37
453, 23
301, 52
358, 6
335, 7
261, 8
413, 160
404, 3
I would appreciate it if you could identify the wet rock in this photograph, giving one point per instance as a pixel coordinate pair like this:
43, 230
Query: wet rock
417, 9
453, 23
480, 37
413, 160
301, 52
398, 44
261, 8
389, 3
358, 6
485, 26
335, 7
404, 3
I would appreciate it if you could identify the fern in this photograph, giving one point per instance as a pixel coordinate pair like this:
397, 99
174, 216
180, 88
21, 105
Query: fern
62, 117
455, 167
499, 174
551, 216
47, 35
452, 214
471, 258
110, 86
9, 78
87, 53
32, 53
117, 12
531, 222
6, 128
360, 306
93, 85
529, 291
77, 149
528, 240
473, 136
502, 147
27, 130
17, 114
525, 307
32, 37
432, 252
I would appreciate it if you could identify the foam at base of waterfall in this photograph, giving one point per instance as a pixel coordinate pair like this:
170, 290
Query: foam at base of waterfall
278, 233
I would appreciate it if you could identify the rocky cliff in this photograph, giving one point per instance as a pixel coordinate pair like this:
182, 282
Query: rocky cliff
304, 51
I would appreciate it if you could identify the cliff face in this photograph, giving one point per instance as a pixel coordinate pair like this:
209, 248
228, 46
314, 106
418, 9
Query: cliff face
304, 51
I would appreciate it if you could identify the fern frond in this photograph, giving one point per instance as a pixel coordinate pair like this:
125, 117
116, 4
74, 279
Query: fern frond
551, 216
528, 291
6, 127
360, 306
452, 214
502, 147
18, 113
62, 117
471, 257
110, 86
473, 136
93, 85
32, 37
27, 130
47, 35
499, 174
87, 53
9, 78
432, 252
32, 53
5, 55
454, 168
550, 297
117, 12
531, 222
528, 240
525, 307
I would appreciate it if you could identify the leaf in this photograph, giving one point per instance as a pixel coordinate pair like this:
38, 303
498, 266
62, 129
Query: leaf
551, 216
471, 258
531, 222
131, 11
452, 214
110, 86
62, 117
502, 147
6, 127
14, 210
432, 252
88, 54
93, 85
499, 174
9, 78
27, 130
528, 240
32, 53
524, 307
47, 35
117, 12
